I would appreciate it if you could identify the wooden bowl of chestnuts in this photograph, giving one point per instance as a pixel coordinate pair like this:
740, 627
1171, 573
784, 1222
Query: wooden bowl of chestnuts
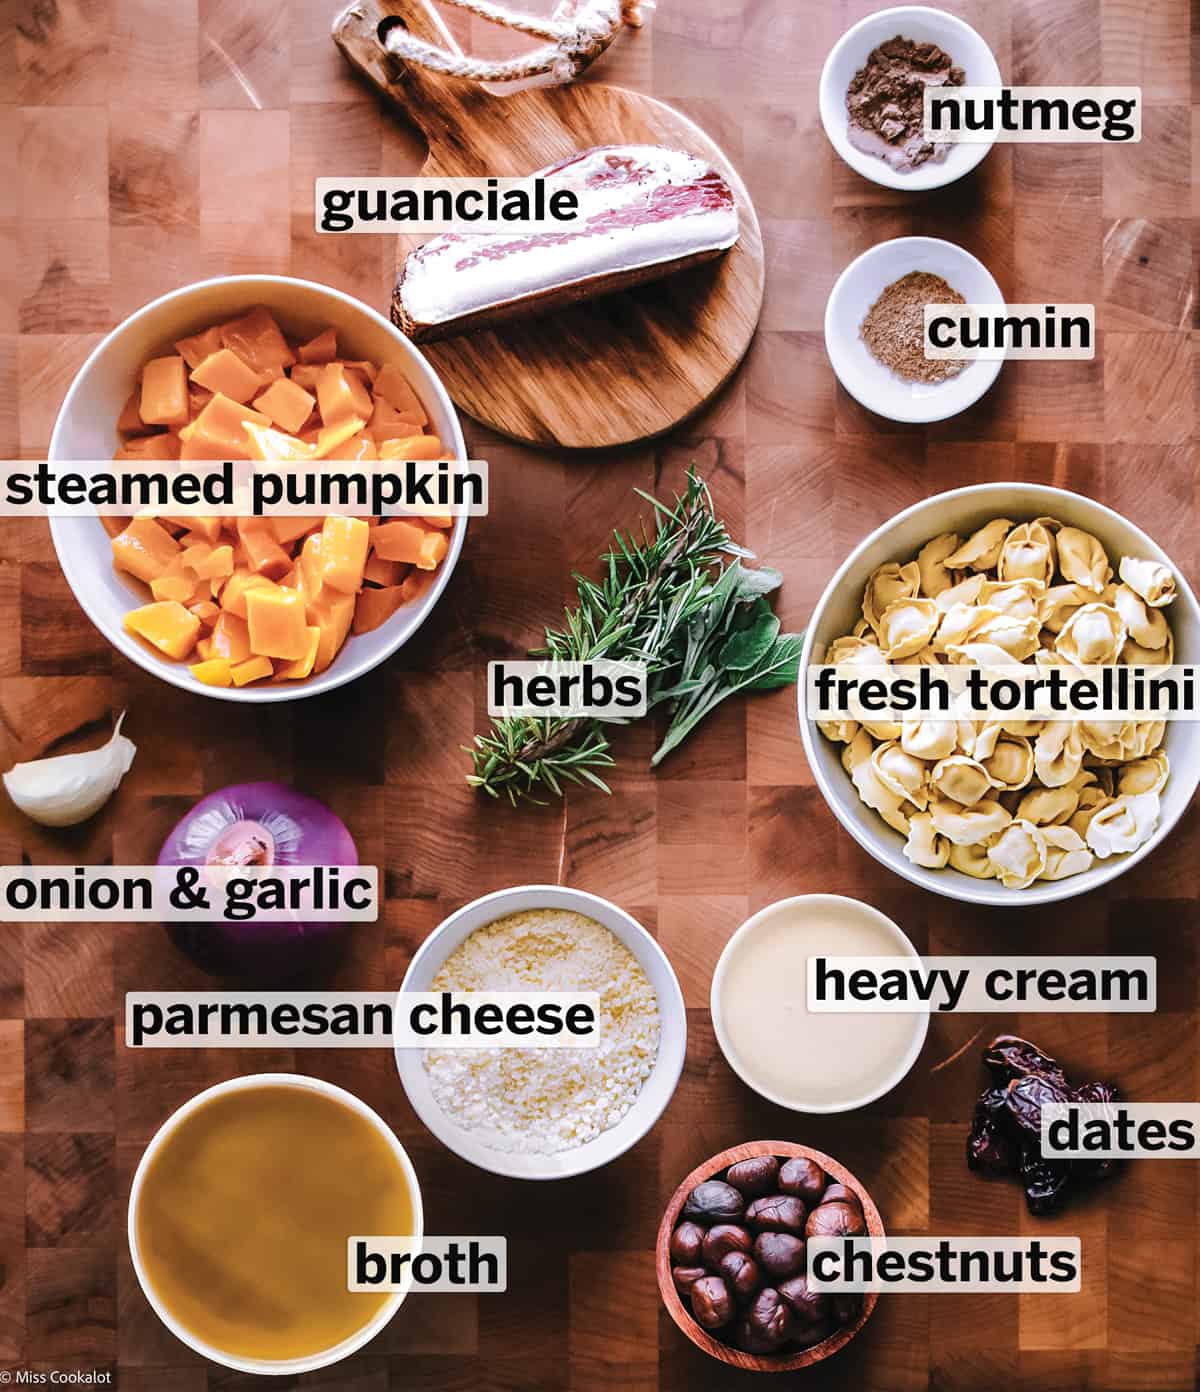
731, 1260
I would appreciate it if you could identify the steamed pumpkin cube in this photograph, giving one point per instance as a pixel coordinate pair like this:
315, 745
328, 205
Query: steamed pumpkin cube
366, 370
206, 611
392, 386
274, 446
387, 423
332, 614
434, 546
302, 666
310, 568
226, 373
276, 621
252, 670
335, 441
219, 431
144, 549
321, 349
177, 582
381, 572
200, 529
233, 595
290, 529
264, 554
150, 447
374, 607
306, 375
200, 346
214, 671
218, 562
342, 395
398, 541
412, 447
230, 638
344, 545
258, 340
164, 398
415, 583
286, 403
166, 625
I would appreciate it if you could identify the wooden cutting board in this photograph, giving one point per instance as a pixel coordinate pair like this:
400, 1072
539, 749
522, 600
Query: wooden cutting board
614, 370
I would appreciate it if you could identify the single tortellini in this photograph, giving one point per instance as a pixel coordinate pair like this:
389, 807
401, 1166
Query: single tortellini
1010, 764
1018, 854
980, 654
1091, 800
966, 592
1066, 853
1124, 824
1092, 636
886, 585
1016, 598
1028, 552
879, 796
903, 773
906, 627
1082, 560
926, 846
958, 624
1108, 740
928, 739
851, 651
1058, 753
961, 779
839, 731
1146, 775
931, 563
1017, 636
972, 860
1134, 655
1147, 736
1056, 605
1049, 806
1147, 627
981, 550
1151, 580
966, 825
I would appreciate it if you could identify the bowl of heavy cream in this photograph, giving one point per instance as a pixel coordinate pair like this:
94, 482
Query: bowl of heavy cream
810, 1060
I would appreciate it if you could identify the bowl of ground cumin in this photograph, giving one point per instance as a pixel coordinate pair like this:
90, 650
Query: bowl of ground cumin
875, 329
872, 90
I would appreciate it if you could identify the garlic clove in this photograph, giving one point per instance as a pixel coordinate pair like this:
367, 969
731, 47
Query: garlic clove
69, 788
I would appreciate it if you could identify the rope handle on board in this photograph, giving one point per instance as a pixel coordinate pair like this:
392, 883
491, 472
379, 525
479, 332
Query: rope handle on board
577, 34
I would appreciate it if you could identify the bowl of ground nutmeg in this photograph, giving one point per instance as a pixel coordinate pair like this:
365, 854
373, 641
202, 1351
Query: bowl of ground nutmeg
872, 94
875, 328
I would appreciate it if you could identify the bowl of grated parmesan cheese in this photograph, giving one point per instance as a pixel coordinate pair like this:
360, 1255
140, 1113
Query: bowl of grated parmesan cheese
548, 1112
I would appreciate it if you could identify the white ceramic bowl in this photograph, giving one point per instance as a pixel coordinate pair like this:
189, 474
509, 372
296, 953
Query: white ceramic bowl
924, 25
313, 1361
839, 608
658, 1088
87, 429
920, 1020
877, 387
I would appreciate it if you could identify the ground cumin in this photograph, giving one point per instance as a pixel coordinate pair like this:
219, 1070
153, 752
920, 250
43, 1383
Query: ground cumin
894, 329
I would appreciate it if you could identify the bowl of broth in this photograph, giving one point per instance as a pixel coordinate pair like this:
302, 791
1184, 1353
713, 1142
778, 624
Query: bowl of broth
810, 1061
240, 1212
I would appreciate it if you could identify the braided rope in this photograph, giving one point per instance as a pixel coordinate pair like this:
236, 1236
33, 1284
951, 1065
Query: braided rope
576, 40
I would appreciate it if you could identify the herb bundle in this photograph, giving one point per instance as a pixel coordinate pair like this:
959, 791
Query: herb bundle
668, 598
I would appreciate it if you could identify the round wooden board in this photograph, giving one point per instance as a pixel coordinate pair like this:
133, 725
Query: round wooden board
611, 371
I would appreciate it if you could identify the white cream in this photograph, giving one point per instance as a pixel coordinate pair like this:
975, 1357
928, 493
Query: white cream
454, 275
800, 1058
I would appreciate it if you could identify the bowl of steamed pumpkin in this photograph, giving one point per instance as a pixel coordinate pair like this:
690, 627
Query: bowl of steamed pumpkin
1006, 810
259, 368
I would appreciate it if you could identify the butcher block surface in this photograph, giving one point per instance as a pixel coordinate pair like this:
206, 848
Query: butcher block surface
153, 144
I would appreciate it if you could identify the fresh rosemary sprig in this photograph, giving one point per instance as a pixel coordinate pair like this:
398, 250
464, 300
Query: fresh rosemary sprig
703, 634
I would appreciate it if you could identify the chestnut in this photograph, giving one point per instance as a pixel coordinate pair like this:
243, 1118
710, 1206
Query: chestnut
721, 1239
839, 1193
778, 1213
711, 1302
835, 1219
802, 1178
741, 1275
846, 1309
770, 1319
809, 1306
807, 1335
779, 1254
686, 1241
747, 1339
754, 1177
685, 1277
714, 1202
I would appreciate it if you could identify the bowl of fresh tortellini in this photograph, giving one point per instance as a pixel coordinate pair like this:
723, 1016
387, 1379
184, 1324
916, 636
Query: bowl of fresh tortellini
1005, 811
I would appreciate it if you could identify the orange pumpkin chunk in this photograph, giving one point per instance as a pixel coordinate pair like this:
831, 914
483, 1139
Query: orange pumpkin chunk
286, 403
164, 399
144, 549
200, 346
374, 607
392, 385
252, 670
342, 395
226, 373
167, 625
344, 543
257, 338
277, 623
321, 349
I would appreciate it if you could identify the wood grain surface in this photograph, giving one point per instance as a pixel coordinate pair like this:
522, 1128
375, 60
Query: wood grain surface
149, 144
608, 372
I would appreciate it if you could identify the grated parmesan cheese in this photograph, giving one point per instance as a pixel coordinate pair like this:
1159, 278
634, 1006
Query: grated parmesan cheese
547, 1100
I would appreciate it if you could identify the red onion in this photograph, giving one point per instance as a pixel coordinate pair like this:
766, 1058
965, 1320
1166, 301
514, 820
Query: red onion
258, 824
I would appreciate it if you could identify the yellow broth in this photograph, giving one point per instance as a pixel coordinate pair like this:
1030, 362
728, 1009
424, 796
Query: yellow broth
244, 1214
